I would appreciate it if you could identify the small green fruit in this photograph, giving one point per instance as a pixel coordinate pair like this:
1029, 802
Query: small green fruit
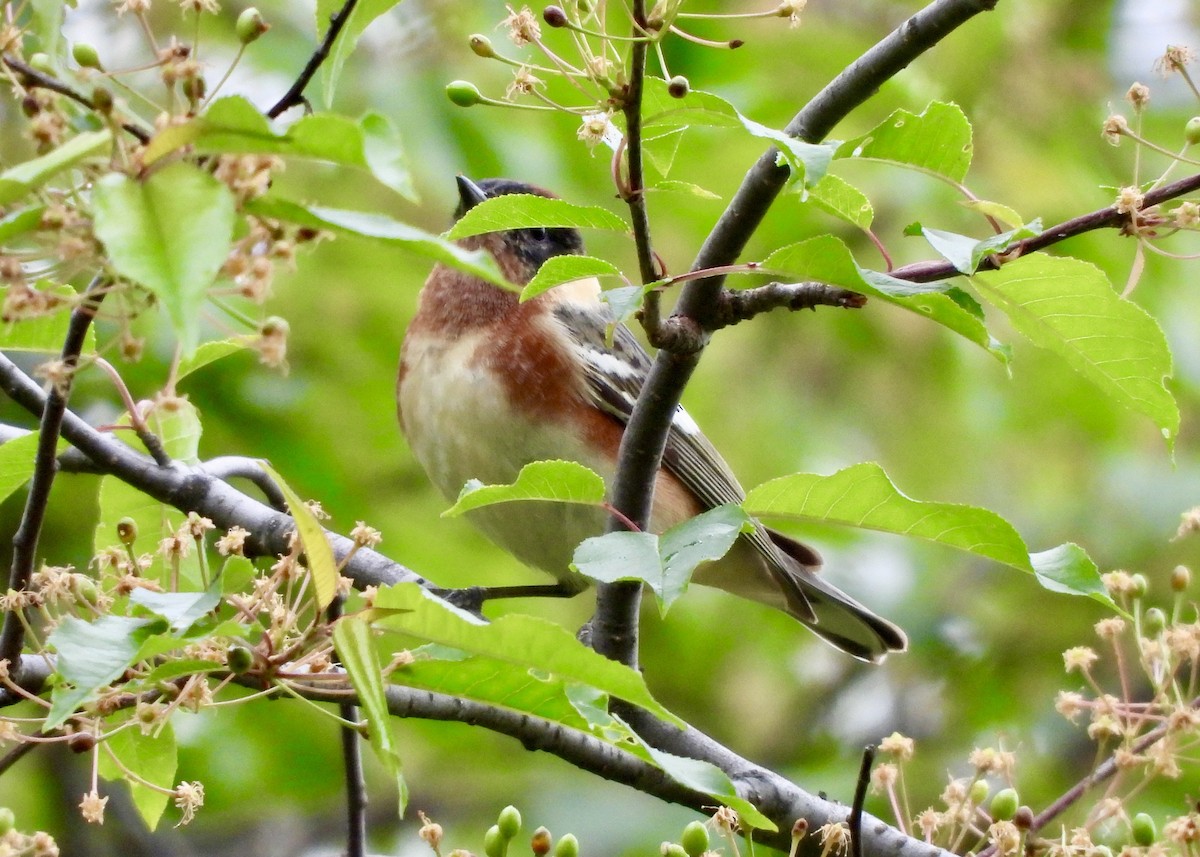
239, 659
41, 62
481, 45
979, 792
1004, 804
1153, 622
1140, 585
1191, 131
694, 839
86, 55
127, 531
463, 93
494, 844
1145, 833
102, 100
84, 589
7, 821
672, 849
568, 846
509, 822
250, 26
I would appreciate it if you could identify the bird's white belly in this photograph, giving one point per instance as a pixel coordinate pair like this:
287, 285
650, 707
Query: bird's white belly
460, 426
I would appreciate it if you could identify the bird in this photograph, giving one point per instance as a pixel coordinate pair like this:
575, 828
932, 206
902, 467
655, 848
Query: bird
488, 384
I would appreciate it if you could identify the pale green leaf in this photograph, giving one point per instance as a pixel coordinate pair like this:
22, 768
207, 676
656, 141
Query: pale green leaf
1008, 216
525, 210
1069, 307
361, 17
548, 481
180, 609
17, 181
381, 228
566, 269
672, 186
146, 762
966, 253
20, 221
936, 141
16, 462
384, 151
356, 651
210, 352
1068, 569
170, 232
525, 640
321, 564
843, 200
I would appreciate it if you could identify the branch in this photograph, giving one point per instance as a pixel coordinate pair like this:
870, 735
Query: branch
54, 407
295, 95
734, 306
192, 489
645, 435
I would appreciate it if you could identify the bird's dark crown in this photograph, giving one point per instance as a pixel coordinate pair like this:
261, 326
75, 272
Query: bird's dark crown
533, 245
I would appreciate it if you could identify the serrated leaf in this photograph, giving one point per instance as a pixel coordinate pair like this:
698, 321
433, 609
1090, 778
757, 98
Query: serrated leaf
17, 181
354, 647
92, 655
566, 269
147, 763
672, 186
663, 112
525, 210
937, 141
170, 232
44, 333
838, 197
528, 641
665, 563
863, 496
321, 564
384, 151
180, 609
1069, 307
16, 462
361, 17
210, 352
1068, 569
230, 125
381, 228
966, 253
548, 481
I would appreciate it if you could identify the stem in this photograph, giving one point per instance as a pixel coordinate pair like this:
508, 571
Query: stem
25, 542
295, 95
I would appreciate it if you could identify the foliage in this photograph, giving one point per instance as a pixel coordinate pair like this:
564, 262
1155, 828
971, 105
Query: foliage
182, 204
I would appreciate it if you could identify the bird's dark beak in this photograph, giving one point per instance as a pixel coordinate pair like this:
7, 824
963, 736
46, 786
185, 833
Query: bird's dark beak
470, 193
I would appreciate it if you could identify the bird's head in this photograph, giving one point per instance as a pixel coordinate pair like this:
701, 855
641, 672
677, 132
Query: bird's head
520, 252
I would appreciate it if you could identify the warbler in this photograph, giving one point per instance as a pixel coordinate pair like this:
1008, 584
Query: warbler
488, 384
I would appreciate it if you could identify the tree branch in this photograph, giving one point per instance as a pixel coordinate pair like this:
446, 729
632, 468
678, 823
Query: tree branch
295, 94
25, 542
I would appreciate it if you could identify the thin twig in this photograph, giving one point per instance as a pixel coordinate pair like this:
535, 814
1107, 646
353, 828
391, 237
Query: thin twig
295, 95
25, 542
149, 439
860, 797
356, 784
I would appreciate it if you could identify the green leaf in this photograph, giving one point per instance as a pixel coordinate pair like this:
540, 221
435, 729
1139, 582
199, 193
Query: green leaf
146, 762
966, 253
380, 228
355, 650
524, 210
210, 352
16, 462
525, 640
44, 333
625, 301
236, 574
1069, 307
672, 186
230, 125
838, 197
364, 13
22, 220
997, 211
47, 27
384, 151
1068, 569
550, 481
180, 609
566, 269
92, 655
936, 141
19, 180
171, 233
862, 496
663, 112
665, 562
321, 564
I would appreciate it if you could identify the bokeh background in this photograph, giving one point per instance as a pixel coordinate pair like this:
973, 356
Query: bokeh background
786, 393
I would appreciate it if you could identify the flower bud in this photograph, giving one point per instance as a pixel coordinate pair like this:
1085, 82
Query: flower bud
1140, 586
672, 849
463, 93
86, 55
568, 846
540, 843
1145, 833
1004, 804
127, 531
250, 26
481, 46
509, 822
1154, 622
694, 839
678, 86
494, 845
1191, 131
1023, 818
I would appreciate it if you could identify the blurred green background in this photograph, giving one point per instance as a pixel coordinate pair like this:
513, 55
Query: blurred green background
787, 393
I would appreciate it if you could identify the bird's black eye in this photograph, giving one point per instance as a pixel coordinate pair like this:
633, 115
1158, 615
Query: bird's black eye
537, 233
